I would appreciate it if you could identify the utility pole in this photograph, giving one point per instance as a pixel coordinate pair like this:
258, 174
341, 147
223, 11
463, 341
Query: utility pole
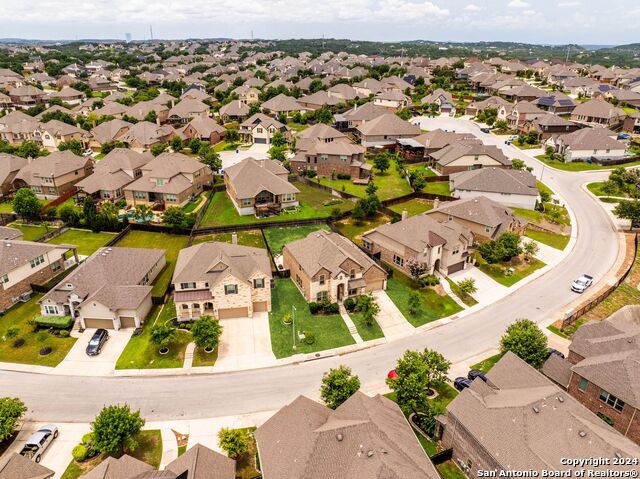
293, 325
151, 32
323, 41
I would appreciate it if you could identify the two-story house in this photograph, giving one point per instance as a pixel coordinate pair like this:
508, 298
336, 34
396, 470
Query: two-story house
222, 280
260, 128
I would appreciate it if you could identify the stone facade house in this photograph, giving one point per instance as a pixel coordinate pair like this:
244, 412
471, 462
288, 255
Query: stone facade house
441, 247
221, 280
55, 132
260, 128
327, 266
111, 289
204, 128
384, 130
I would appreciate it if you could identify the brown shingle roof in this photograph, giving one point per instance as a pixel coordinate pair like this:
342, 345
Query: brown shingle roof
251, 176
15, 466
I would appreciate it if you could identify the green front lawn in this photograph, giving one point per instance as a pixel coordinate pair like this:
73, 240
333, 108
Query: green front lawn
354, 229
245, 238
6, 207
390, 184
87, 241
498, 271
16, 319
278, 237
580, 165
172, 244
486, 364
438, 188
367, 333
149, 450
542, 218
464, 297
141, 353
330, 331
313, 204
202, 358
30, 232
449, 470
596, 189
225, 146
434, 306
554, 240
413, 207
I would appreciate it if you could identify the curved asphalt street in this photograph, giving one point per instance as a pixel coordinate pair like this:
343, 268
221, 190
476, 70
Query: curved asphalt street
79, 399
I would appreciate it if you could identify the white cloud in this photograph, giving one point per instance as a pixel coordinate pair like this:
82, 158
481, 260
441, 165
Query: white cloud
569, 4
472, 8
518, 4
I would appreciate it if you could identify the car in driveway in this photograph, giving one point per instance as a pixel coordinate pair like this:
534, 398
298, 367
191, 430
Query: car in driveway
461, 383
476, 373
582, 283
551, 351
97, 341
38, 442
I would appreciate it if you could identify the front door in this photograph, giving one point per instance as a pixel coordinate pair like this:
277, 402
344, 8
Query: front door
340, 292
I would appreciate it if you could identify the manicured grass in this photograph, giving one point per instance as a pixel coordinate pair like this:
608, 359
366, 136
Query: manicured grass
200, 358
221, 210
596, 189
559, 332
413, 207
149, 450
438, 188
430, 447
225, 146
539, 217
367, 333
182, 450
330, 331
141, 353
449, 470
30, 232
554, 240
87, 241
278, 237
422, 168
6, 207
542, 188
526, 146
498, 271
390, 184
464, 297
192, 205
580, 165
69, 202
246, 464
486, 364
245, 238
172, 244
434, 306
18, 317
354, 229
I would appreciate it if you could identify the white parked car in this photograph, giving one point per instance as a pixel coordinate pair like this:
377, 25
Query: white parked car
582, 283
38, 442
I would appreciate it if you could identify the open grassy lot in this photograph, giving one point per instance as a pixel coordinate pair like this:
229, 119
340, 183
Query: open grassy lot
390, 184
438, 188
172, 244
413, 207
30, 232
278, 237
554, 240
330, 331
366, 332
14, 325
245, 238
434, 306
354, 229
498, 271
221, 210
580, 165
486, 364
87, 241
141, 353
149, 450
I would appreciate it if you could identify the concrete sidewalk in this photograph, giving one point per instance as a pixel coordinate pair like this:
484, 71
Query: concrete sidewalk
488, 291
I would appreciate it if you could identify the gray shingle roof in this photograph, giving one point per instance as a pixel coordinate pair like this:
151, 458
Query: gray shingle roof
15, 466
496, 180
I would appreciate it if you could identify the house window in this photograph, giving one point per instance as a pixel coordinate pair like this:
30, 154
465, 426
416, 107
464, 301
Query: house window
456, 249
160, 181
258, 283
230, 289
145, 280
367, 245
343, 159
245, 202
55, 266
36, 189
582, 385
398, 260
185, 306
259, 130
611, 400
172, 198
51, 310
141, 195
298, 281
353, 292
187, 285
321, 279
289, 197
487, 229
321, 296
352, 273
106, 194
36, 261
4, 279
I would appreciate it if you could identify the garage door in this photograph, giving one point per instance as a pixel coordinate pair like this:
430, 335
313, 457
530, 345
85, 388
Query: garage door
455, 267
259, 140
261, 306
127, 322
375, 285
98, 323
230, 313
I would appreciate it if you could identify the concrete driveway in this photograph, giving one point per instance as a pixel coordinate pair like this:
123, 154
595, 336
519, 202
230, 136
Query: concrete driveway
489, 290
78, 363
257, 151
245, 343
58, 454
390, 319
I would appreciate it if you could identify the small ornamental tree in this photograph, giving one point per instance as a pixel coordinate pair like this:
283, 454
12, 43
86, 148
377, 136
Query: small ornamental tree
26, 203
210, 157
176, 143
11, 411
525, 339
115, 429
338, 386
468, 286
381, 162
174, 217
368, 307
531, 249
162, 334
417, 269
142, 213
415, 302
233, 441
206, 332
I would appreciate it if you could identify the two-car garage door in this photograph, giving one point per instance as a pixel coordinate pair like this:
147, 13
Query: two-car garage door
98, 323
455, 267
230, 313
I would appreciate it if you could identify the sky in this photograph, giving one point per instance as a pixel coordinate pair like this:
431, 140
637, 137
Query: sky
529, 21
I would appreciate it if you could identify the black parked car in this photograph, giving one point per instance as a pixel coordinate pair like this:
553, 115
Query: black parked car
485, 130
474, 373
461, 383
97, 341
551, 351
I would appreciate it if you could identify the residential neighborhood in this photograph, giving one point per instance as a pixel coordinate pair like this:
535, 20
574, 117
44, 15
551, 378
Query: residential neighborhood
314, 257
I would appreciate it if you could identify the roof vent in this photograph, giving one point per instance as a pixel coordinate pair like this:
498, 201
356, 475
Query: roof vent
369, 453
339, 437
582, 434
536, 410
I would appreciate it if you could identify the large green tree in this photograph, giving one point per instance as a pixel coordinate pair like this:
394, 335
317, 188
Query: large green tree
206, 332
115, 429
26, 203
11, 411
338, 386
233, 441
525, 339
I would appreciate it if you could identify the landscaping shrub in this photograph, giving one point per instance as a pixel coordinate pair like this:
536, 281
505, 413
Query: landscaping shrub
344, 176
332, 202
309, 337
41, 336
349, 304
18, 343
88, 438
314, 308
63, 333
430, 280
79, 452
56, 322
311, 173
324, 307
12, 333
45, 351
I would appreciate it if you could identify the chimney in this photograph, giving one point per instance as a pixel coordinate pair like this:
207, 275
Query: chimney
234, 238
157, 120
405, 215
436, 203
